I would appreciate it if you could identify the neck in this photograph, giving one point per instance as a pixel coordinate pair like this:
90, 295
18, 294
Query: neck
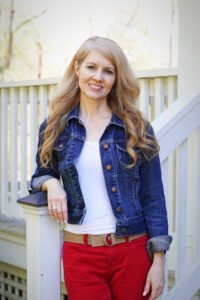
94, 109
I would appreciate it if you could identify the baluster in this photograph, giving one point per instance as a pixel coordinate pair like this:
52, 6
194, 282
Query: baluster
181, 210
14, 211
23, 140
4, 150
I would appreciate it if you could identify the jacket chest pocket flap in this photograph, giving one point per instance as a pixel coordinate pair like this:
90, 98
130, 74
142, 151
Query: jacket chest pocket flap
61, 147
123, 155
125, 159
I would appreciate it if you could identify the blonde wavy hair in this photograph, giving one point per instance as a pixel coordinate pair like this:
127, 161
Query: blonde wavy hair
122, 101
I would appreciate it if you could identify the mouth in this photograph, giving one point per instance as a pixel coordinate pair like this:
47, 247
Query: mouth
95, 87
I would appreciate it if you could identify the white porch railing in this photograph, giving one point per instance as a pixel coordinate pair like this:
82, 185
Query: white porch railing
177, 129
23, 106
177, 125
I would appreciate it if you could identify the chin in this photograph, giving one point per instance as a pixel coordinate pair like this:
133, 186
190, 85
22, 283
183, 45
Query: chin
95, 96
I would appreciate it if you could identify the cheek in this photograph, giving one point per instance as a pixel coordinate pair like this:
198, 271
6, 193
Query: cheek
111, 82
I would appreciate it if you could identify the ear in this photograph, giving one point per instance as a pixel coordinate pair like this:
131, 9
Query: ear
76, 68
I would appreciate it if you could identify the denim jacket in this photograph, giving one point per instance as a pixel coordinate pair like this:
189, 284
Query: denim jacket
136, 195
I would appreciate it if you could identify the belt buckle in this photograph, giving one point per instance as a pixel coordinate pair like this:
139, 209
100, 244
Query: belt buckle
108, 241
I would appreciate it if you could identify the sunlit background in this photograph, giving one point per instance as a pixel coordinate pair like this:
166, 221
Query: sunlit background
38, 38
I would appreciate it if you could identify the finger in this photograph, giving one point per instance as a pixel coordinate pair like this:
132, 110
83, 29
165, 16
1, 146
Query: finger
159, 292
50, 207
64, 211
146, 288
153, 295
52, 212
58, 212
55, 214
60, 216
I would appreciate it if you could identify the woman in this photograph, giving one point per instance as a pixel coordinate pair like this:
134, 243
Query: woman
105, 152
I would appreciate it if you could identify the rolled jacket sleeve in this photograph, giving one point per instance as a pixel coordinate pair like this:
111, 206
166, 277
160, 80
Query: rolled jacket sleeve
41, 173
153, 203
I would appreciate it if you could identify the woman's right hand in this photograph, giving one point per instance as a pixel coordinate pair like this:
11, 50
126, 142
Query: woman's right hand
57, 199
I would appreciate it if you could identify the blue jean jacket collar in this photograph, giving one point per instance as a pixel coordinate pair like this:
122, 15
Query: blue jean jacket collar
74, 114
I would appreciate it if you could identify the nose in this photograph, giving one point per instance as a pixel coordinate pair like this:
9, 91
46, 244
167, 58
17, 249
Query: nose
98, 75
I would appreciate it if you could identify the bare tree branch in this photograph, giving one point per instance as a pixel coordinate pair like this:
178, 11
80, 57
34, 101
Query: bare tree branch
40, 59
29, 20
11, 32
10, 37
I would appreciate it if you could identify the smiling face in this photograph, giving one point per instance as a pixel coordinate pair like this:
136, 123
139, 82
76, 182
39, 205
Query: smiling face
96, 76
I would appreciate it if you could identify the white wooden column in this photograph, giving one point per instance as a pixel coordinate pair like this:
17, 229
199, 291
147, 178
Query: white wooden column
165, 171
43, 254
181, 210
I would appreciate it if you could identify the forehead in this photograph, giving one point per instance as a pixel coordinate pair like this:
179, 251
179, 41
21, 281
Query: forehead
95, 56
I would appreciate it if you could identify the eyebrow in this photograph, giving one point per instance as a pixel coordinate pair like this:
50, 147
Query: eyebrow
107, 67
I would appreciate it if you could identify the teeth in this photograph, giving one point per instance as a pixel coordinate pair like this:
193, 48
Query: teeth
95, 86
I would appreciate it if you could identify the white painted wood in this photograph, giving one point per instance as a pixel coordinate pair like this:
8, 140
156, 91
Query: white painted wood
23, 140
144, 97
166, 72
4, 151
43, 100
28, 83
187, 286
171, 190
192, 191
181, 210
152, 99
172, 94
189, 47
13, 211
43, 254
165, 171
196, 176
12, 244
183, 113
33, 127
159, 96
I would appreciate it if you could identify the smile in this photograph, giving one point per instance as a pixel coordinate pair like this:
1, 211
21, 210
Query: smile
95, 87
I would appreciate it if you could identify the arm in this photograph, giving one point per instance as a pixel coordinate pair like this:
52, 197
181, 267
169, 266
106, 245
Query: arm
153, 203
42, 174
47, 179
155, 213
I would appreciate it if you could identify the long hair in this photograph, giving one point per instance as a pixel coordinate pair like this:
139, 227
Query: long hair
122, 101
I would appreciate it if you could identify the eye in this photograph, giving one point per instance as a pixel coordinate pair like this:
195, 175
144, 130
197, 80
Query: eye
90, 67
109, 71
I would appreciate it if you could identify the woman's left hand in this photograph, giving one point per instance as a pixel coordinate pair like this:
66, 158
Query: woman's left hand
156, 277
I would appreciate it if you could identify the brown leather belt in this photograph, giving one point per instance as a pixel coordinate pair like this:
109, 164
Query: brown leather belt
99, 240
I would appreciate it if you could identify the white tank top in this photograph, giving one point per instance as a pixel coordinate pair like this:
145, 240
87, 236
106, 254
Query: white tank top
99, 216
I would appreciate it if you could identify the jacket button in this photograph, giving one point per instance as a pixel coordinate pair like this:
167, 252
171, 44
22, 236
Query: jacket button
113, 189
105, 146
108, 167
119, 210
60, 146
123, 229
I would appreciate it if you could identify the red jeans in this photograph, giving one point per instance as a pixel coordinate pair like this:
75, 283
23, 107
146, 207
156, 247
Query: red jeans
106, 273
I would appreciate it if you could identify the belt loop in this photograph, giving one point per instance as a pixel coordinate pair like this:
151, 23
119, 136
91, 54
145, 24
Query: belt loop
85, 239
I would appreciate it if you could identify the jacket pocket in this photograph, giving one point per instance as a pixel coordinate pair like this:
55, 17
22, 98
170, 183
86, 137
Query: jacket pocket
61, 147
123, 156
125, 159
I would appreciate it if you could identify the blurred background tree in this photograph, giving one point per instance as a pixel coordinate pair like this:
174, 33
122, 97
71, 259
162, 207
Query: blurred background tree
17, 34
38, 38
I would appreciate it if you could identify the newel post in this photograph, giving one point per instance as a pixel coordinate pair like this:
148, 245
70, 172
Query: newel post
43, 249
